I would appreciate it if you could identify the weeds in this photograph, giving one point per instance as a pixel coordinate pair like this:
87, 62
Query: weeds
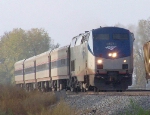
62, 109
16, 101
135, 109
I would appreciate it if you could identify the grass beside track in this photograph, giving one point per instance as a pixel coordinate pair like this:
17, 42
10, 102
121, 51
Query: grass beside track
135, 109
16, 101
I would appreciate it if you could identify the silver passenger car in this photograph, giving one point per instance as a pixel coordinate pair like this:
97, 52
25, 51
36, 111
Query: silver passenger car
19, 73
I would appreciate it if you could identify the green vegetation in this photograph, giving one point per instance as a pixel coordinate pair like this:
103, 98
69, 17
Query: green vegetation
19, 44
141, 37
135, 109
15, 101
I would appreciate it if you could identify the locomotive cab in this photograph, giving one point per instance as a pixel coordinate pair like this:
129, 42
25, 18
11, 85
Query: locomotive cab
112, 50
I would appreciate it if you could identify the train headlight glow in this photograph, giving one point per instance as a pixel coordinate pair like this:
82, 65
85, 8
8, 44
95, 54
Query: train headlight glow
149, 61
114, 55
110, 54
124, 61
99, 61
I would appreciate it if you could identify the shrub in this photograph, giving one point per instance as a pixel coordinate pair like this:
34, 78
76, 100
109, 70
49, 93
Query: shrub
135, 109
62, 109
16, 101
11, 100
38, 101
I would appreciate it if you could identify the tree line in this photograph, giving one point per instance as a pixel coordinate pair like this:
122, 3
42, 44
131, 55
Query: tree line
19, 44
142, 35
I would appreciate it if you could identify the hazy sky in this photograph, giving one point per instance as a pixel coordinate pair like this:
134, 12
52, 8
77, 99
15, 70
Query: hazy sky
64, 19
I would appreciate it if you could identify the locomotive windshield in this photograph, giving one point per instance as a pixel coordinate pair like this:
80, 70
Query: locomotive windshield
120, 36
111, 39
101, 36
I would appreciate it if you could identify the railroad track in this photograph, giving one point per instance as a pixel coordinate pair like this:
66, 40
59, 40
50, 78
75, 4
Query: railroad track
114, 93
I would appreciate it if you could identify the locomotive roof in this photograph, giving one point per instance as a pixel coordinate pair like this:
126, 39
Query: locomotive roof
111, 27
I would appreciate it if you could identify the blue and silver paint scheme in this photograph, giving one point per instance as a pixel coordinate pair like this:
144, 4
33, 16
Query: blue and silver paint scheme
100, 49
105, 41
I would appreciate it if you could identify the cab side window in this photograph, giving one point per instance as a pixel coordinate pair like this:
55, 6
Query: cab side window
73, 42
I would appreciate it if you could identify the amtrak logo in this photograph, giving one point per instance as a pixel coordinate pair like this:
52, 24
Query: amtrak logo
110, 47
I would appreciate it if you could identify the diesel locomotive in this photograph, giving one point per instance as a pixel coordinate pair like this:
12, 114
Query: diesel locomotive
99, 59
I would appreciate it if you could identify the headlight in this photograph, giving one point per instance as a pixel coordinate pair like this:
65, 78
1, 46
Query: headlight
99, 61
110, 54
124, 61
149, 61
114, 54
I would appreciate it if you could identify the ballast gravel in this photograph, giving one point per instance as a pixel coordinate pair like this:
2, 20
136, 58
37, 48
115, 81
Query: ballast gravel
107, 105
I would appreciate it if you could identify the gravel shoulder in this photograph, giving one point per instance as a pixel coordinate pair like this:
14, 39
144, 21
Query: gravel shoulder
106, 104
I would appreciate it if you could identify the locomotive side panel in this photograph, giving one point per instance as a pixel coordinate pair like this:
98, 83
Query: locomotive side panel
91, 67
79, 58
90, 57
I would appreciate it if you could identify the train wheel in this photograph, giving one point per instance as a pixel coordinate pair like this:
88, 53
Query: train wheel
80, 87
72, 89
95, 89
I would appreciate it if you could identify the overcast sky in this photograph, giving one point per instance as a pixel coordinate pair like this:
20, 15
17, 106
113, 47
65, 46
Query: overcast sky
64, 19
